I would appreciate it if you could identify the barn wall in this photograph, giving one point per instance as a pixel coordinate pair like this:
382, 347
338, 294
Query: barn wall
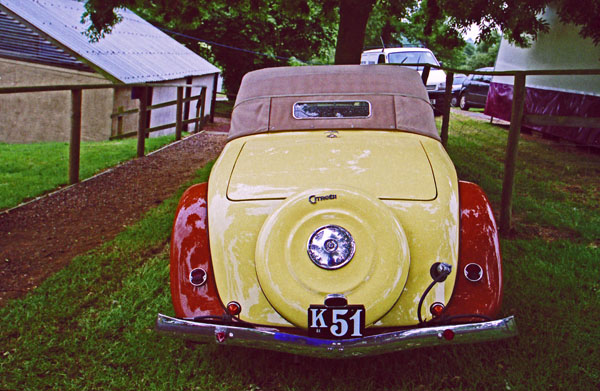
166, 115
124, 102
45, 116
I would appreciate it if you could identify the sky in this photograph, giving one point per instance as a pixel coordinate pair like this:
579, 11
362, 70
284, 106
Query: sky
472, 33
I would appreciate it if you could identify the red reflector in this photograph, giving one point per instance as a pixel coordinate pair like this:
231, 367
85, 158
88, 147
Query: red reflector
436, 309
234, 308
220, 336
448, 334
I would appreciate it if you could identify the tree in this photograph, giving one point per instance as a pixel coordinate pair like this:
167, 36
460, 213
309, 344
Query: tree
354, 15
270, 32
396, 23
519, 20
484, 53
435, 22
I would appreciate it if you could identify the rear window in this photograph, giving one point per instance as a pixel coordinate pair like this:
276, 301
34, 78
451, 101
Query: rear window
412, 58
332, 109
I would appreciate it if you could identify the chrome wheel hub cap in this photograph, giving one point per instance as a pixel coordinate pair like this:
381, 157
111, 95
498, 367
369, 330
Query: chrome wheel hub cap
331, 247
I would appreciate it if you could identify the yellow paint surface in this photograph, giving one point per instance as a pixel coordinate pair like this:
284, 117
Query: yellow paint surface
428, 214
278, 166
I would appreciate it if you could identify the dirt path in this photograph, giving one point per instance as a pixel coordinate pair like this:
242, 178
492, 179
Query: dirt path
41, 237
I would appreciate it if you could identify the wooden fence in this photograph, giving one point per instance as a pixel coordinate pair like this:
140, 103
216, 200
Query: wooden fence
142, 132
517, 120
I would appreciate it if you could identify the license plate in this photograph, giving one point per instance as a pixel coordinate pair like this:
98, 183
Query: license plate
336, 322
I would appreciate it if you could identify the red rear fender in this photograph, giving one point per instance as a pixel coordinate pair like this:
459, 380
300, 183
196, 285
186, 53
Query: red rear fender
478, 244
190, 250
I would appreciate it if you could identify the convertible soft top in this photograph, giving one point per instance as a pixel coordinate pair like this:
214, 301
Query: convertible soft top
396, 96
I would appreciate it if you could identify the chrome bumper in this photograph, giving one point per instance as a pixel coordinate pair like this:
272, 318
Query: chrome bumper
269, 339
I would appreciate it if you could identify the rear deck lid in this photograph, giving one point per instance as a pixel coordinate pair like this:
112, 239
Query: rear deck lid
387, 165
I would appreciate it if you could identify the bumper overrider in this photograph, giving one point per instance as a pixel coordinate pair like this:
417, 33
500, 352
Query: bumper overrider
271, 339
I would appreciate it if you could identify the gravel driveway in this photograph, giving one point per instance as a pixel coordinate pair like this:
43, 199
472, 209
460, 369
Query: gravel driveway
39, 238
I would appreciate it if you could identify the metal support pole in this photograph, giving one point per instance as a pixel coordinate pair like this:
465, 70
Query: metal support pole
75, 143
510, 163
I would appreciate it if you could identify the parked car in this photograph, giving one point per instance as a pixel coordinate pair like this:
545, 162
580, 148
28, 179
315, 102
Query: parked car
457, 84
333, 224
412, 55
475, 89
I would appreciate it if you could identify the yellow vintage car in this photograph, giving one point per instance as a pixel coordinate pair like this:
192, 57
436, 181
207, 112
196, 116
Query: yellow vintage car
333, 224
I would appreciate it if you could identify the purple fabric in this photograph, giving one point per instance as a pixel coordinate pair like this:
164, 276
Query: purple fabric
548, 102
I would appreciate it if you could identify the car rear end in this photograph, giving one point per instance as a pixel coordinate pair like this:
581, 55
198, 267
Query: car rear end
334, 225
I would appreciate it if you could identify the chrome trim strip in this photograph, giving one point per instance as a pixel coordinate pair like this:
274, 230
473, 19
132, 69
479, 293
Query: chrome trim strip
480, 271
272, 339
332, 101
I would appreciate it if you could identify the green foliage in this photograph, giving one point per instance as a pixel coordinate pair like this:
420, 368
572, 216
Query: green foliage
305, 31
90, 326
418, 27
269, 31
484, 53
29, 170
406, 23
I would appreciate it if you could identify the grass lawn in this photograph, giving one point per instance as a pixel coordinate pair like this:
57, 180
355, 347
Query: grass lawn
224, 108
90, 326
29, 170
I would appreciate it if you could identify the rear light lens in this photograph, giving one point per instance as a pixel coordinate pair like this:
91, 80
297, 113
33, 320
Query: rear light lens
234, 308
448, 334
436, 309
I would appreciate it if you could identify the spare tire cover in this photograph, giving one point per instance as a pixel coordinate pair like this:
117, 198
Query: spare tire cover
374, 276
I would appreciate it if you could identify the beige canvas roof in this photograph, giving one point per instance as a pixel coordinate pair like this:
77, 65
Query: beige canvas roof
396, 95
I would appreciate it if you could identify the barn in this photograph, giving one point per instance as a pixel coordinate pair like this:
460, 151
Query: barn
43, 43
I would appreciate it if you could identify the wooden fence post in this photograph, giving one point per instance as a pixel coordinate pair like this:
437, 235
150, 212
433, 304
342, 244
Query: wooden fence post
446, 113
187, 105
75, 142
179, 115
142, 122
516, 119
200, 110
120, 121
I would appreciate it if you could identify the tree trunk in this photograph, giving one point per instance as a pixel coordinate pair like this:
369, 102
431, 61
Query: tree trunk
386, 34
354, 15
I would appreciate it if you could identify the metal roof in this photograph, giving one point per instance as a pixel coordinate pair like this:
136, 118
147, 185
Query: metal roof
17, 41
134, 52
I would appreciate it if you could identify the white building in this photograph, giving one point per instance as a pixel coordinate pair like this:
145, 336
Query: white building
44, 43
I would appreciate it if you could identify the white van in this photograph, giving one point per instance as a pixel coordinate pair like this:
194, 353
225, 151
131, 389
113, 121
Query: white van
408, 55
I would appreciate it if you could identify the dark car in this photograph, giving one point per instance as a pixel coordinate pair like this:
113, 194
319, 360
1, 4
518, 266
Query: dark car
475, 90
457, 84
